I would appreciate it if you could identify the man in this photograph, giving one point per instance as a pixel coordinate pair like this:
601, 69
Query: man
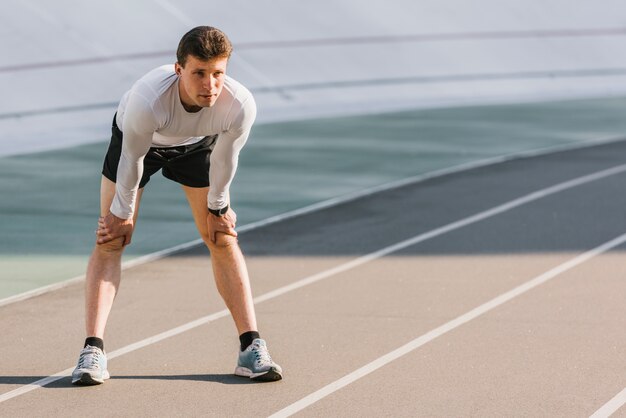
189, 120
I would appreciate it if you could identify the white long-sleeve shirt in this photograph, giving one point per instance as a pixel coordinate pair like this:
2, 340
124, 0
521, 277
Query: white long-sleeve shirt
151, 114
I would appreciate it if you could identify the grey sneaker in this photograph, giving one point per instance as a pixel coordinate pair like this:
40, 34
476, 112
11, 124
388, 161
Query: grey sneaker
255, 362
91, 368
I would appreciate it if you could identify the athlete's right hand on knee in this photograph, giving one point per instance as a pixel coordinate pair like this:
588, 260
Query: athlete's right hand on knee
111, 227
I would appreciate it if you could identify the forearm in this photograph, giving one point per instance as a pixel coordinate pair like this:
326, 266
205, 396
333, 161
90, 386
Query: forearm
138, 126
221, 176
128, 177
129, 173
224, 161
225, 155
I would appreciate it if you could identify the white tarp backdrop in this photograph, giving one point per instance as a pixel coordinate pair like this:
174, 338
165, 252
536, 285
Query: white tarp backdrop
65, 64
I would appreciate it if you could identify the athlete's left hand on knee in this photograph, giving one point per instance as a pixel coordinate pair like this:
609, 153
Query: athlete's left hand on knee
225, 224
111, 227
231, 217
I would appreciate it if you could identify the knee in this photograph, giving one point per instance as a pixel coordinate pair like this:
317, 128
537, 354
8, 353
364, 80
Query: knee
113, 247
222, 242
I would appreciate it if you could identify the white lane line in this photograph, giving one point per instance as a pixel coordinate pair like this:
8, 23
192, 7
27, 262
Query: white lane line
117, 353
126, 265
611, 406
449, 326
326, 204
340, 268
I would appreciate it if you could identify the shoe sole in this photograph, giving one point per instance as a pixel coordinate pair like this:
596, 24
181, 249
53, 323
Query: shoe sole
272, 375
87, 379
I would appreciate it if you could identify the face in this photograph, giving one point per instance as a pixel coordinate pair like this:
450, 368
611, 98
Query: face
201, 82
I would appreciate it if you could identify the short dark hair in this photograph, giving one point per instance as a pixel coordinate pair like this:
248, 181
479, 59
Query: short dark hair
205, 43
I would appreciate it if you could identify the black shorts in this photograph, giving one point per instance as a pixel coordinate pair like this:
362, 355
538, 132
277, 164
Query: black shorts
185, 164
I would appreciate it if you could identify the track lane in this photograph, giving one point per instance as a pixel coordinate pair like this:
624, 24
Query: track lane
272, 270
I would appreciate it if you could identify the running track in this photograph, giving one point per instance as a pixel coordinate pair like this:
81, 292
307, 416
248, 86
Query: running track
493, 291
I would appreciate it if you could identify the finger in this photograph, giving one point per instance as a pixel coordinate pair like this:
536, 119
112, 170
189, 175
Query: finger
222, 226
227, 228
104, 239
229, 231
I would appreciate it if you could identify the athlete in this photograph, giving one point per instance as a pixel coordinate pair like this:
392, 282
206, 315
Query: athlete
189, 120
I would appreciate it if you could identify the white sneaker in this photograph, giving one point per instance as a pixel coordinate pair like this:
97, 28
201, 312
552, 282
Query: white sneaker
255, 362
91, 368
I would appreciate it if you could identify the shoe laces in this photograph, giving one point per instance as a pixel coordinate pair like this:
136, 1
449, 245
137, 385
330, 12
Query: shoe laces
90, 358
262, 356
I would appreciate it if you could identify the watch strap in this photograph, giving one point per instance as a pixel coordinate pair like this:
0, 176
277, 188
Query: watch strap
219, 212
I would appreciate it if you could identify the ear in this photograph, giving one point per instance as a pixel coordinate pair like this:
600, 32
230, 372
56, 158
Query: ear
178, 68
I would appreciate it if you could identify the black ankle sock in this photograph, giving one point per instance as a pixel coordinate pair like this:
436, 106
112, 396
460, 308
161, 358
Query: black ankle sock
247, 337
94, 342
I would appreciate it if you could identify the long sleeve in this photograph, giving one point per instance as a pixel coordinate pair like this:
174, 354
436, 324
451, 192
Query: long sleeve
138, 127
225, 155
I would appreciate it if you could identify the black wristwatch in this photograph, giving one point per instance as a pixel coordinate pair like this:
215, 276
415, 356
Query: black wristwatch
219, 212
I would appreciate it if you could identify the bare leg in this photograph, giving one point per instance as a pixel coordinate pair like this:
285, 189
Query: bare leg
103, 270
229, 266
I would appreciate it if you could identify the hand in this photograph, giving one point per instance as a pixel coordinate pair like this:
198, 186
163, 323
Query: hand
111, 227
224, 224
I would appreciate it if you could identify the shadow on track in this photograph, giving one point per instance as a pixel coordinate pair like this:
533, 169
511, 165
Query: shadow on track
226, 379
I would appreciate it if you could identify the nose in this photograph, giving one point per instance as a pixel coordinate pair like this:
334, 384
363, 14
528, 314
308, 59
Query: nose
210, 83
